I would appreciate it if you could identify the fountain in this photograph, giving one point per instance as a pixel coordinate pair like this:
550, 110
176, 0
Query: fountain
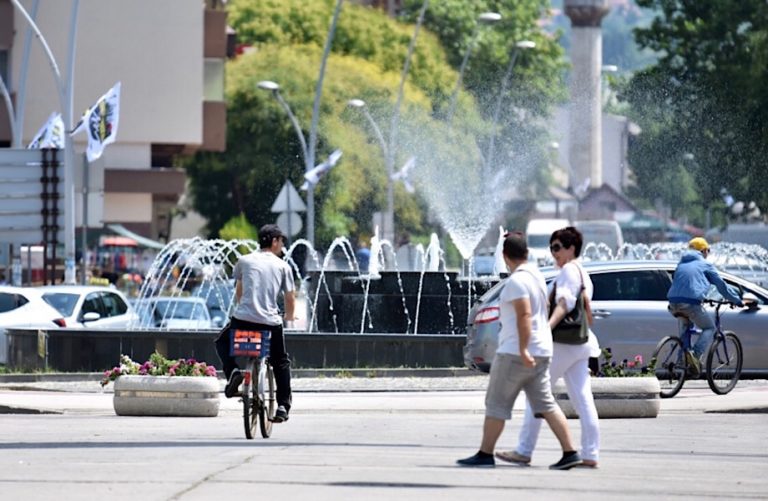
382, 299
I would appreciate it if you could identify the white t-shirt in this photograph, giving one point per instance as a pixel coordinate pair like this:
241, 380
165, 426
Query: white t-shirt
525, 282
569, 282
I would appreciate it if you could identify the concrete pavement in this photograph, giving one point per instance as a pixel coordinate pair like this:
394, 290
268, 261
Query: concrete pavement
371, 438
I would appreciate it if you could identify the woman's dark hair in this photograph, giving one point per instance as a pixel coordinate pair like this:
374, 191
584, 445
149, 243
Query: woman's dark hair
569, 236
515, 246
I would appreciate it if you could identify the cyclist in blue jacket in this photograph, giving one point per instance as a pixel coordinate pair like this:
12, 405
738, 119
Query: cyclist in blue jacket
693, 277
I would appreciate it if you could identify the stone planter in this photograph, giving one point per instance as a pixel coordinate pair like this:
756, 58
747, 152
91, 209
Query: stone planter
166, 396
617, 397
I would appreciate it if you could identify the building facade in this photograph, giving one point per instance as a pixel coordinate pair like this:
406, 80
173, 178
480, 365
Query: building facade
169, 57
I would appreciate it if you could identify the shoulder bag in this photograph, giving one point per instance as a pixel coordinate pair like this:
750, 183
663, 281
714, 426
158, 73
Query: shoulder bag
574, 327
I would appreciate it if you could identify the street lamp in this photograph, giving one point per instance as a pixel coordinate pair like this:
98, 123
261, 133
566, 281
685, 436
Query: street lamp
521, 45
65, 92
388, 231
483, 19
274, 88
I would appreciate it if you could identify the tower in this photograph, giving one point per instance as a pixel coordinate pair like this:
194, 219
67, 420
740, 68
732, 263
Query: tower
585, 154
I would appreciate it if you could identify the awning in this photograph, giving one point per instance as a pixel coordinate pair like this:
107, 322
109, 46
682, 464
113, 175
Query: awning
142, 241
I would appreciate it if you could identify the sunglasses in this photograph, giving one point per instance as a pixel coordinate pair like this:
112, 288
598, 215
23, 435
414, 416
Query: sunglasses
555, 248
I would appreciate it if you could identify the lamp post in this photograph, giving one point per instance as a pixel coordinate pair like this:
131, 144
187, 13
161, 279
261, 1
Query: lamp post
388, 231
482, 19
308, 149
65, 93
521, 45
388, 149
275, 89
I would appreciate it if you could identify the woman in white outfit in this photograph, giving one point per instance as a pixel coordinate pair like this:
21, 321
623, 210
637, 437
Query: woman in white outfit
568, 361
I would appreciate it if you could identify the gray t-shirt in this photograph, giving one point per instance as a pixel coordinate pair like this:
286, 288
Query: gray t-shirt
263, 276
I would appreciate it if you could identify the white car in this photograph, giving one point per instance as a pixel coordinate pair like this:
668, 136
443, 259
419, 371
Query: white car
25, 308
174, 313
88, 306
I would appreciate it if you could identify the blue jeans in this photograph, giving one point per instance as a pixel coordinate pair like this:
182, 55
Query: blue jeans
695, 313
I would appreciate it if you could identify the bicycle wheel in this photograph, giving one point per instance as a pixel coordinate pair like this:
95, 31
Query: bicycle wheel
670, 365
250, 404
267, 405
724, 362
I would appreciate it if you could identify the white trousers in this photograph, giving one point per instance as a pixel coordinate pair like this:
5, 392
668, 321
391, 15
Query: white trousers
571, 363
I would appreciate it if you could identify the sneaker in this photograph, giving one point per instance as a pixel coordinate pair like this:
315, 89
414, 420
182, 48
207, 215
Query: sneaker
281, 415
694, 365
479, 460
235, 380
514, 457
568, 461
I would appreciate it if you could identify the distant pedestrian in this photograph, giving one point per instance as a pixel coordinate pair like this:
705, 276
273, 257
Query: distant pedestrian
522, 359
363, 256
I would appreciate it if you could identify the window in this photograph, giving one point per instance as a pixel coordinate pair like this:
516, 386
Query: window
64, 303
644, 285
113, 304
9, 302
4, 66
92, 304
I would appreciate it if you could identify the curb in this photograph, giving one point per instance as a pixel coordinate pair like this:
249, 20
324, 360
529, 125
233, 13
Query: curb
64, 377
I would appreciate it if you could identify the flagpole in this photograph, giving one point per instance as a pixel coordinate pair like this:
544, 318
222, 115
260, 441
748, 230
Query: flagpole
69, 157
84, 229
21, 98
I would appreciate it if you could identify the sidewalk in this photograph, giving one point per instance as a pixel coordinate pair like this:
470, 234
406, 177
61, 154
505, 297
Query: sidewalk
87, 396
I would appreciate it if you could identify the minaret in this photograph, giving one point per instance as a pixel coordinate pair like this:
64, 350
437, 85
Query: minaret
585, 154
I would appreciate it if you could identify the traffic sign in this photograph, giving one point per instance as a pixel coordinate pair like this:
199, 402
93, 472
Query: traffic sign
288, 200
291, 226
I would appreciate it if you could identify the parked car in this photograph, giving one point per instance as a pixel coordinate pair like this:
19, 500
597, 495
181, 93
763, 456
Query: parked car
174, 313
24, 308
629, 307
218, 298
89, 306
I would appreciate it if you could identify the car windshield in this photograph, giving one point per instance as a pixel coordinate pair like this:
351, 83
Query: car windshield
215, 295
538, 241
63, 302
186, 310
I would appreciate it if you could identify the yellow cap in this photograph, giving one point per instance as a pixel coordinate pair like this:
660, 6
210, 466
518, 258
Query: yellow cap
698, 244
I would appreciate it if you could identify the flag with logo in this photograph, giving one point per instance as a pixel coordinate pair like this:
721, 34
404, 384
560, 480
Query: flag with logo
50, 135
100, 122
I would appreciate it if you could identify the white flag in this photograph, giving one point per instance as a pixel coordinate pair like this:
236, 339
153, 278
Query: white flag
50, 135
100, 122
313, 176
403, 174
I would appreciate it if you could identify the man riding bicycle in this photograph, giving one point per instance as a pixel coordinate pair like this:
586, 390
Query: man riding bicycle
690, 285
260, 278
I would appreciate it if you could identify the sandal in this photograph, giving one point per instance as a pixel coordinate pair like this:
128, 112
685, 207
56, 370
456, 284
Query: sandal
513, 457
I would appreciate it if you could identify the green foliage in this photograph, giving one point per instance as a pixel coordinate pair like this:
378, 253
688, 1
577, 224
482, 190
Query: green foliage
238, 228
368, 52
705, 98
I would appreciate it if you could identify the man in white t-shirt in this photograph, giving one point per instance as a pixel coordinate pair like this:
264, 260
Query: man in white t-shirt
522, 359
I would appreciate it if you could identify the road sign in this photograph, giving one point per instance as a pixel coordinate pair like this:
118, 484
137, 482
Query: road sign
288, 200
30, 197
291, 227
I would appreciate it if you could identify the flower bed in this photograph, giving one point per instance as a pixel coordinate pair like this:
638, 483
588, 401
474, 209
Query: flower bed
162, 387
627, 389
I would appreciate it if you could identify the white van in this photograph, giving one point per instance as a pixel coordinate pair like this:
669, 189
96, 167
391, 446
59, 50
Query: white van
606, 232
537, 234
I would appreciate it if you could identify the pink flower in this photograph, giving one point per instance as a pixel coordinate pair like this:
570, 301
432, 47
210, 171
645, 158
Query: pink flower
639, 359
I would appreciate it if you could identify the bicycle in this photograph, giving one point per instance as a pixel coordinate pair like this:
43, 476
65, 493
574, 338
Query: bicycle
258, 387
723, 361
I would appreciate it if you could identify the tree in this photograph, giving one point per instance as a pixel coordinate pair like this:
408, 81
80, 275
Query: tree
704, 100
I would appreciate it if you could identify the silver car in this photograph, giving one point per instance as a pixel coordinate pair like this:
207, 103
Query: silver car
629, 307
